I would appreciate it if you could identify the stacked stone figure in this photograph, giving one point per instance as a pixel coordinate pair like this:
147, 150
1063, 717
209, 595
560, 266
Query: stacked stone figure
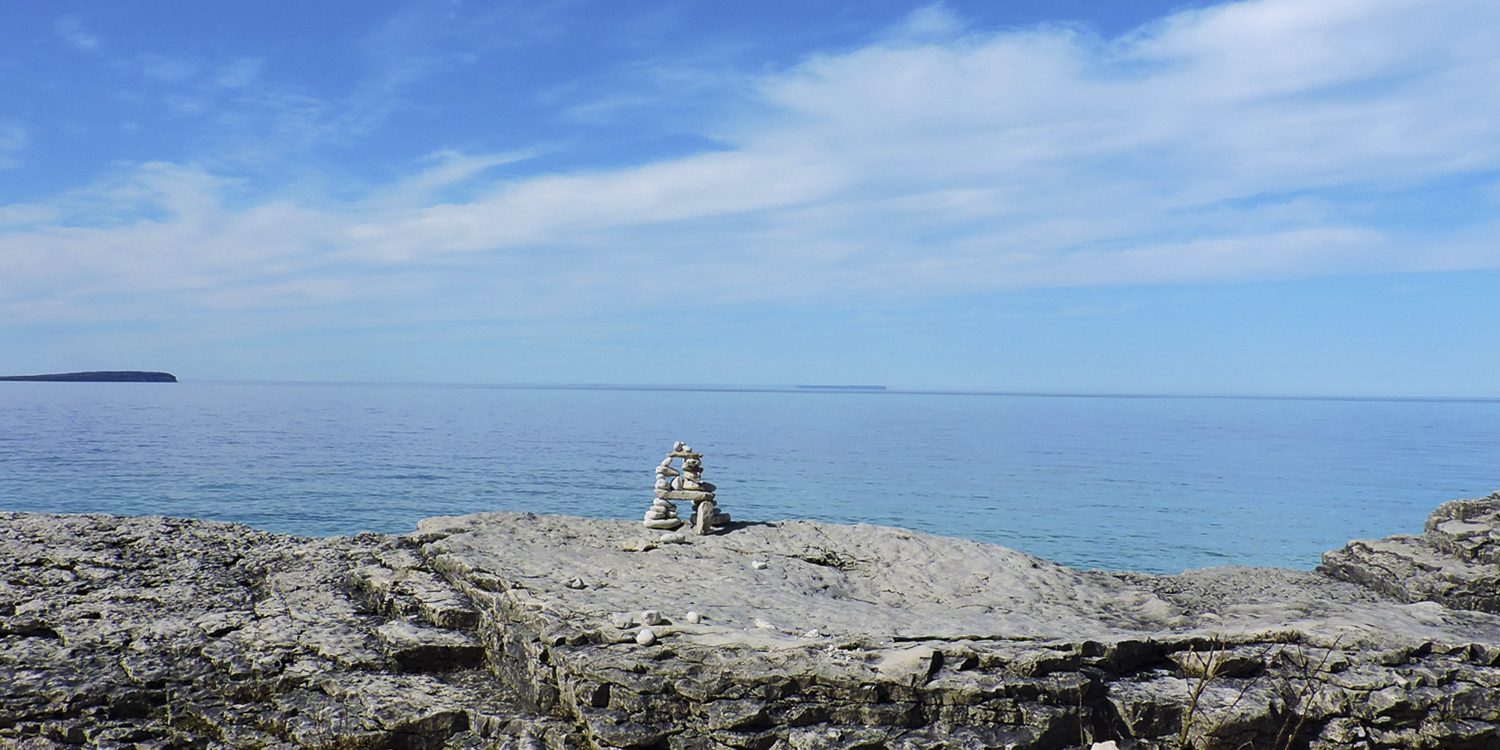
685, 484
663, 513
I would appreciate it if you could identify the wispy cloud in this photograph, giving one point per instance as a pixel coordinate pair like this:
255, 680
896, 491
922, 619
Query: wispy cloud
239, 72
166, 69
73, 33
1248, 141
443, 171
926, 24
13, 140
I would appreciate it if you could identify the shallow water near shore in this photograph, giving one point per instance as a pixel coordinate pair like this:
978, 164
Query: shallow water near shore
1149, 484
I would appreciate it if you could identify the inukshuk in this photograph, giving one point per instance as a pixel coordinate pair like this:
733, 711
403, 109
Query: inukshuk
687, 483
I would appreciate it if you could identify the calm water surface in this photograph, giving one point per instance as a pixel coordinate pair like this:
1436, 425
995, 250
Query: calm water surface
1156, 484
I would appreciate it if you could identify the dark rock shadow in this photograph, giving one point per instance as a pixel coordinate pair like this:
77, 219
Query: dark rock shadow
737, 525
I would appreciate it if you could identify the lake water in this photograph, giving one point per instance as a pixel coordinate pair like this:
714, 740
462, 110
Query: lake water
1151, 484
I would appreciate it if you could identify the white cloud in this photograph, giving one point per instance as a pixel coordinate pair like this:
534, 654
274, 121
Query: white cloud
27, 214
72, 32
239, 72
13, 140
1219, 144
930, 22
447, 169
166, 69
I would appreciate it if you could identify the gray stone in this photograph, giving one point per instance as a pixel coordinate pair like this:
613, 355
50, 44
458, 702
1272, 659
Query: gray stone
180, 633
1456, 560
171, 633
418, 648
687, 485
696, 496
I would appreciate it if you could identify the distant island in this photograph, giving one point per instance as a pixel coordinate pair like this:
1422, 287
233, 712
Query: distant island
840, 387
107, 376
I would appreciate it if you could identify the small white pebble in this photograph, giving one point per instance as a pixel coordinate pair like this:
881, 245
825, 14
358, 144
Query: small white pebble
814, 633
621, 620
673, 537
646, 637
693, 617
650, 617
759, 564
575, 583
763, 625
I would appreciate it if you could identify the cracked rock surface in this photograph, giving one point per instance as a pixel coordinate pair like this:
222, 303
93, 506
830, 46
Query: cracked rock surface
521, 631
164, 632
1455, 561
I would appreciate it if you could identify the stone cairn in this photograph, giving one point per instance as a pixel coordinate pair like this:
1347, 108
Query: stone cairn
687, 483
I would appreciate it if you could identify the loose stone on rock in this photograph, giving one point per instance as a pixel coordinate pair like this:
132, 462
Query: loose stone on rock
646, 637
650, 617
759, 564
693, 617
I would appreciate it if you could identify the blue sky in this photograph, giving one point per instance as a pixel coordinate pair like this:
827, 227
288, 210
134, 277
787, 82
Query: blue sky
1265, 197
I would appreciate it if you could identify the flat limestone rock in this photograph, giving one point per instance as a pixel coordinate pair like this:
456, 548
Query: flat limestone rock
418, 648
696, 496
943, 629
164, 632
468, 634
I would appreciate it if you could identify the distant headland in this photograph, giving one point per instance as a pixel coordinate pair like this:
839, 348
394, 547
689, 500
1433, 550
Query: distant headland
106, 376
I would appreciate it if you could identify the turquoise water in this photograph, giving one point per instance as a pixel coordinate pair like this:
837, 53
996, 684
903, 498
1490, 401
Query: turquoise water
1154, 484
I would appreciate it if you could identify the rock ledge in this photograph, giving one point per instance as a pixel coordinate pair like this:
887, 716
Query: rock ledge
521, 631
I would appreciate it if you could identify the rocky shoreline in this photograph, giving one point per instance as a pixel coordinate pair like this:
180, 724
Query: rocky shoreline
521, 631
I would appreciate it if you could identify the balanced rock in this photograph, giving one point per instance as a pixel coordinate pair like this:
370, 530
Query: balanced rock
683, 483
662, 515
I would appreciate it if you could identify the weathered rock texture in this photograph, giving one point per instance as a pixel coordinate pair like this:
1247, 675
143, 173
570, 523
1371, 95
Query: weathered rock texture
510, 630
1455, 561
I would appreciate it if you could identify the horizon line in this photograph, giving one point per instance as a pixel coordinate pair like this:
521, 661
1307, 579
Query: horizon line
867, 390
